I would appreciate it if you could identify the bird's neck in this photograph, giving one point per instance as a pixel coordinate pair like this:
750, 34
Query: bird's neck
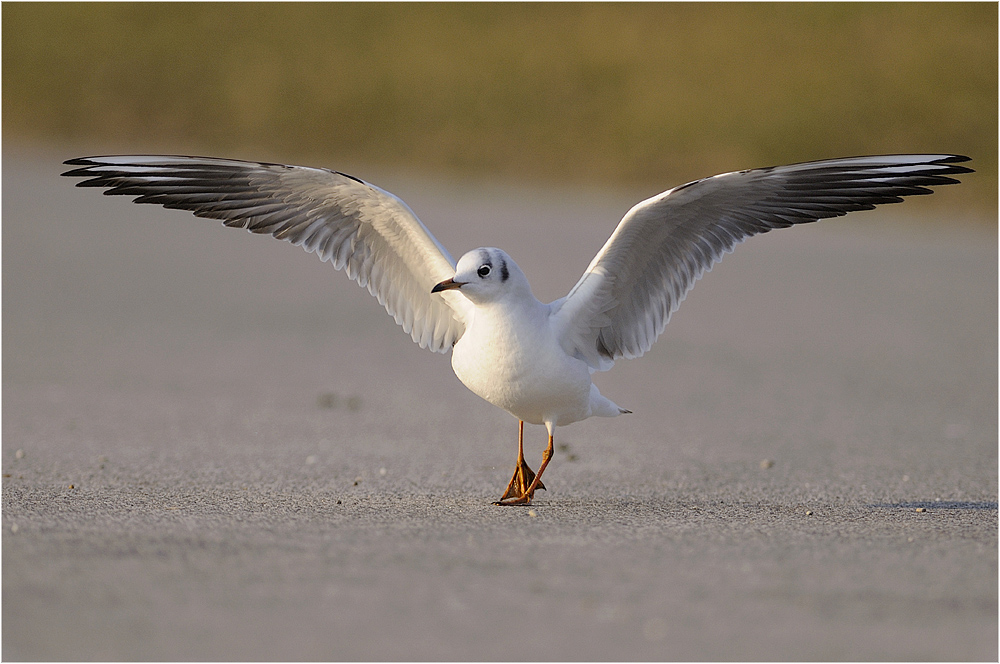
512, 309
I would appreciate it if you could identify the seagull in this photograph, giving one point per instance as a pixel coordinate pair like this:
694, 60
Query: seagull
533, 360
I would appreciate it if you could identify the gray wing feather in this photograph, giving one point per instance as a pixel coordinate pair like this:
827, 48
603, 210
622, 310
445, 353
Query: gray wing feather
665, 243
359, 228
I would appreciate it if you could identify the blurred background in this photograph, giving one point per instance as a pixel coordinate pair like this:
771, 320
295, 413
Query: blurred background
631, 96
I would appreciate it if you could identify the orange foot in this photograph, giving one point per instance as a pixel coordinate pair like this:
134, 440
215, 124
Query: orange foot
517, 491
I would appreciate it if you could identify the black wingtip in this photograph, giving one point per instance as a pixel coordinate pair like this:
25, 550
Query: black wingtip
84, 162
955, 159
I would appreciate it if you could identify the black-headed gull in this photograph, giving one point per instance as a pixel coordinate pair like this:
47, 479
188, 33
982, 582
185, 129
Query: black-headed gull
534, 360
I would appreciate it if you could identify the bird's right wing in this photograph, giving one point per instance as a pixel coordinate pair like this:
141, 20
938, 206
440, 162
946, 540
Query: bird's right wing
665, 243
359, 228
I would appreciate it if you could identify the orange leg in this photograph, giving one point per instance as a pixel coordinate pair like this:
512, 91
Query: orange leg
524, 482
522, 495
537, 483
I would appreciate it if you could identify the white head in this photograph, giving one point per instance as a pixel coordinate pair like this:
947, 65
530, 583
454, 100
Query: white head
486, 274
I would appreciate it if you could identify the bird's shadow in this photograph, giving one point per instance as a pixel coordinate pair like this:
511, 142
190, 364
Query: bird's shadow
941, 505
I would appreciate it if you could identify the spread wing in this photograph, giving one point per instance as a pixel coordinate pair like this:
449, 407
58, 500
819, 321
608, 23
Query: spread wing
665, 243
356, 226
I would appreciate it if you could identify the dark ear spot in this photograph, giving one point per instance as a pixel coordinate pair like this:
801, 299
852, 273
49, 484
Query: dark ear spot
504, 274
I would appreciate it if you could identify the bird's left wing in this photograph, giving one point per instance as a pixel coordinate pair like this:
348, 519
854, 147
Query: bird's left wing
356, 226
665, 243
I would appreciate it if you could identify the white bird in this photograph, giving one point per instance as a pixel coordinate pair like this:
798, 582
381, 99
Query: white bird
534, 360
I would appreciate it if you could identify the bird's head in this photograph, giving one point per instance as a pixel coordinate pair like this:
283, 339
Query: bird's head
485, 275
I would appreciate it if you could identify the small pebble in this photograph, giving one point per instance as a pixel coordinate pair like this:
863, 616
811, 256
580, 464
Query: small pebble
357, 480
921, 509
13, 527
382, 471
766, 463
72, 486
532, 513
809, 512
311, 459
19, 454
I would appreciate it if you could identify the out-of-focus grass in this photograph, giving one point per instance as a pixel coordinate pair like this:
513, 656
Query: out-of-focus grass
617, 94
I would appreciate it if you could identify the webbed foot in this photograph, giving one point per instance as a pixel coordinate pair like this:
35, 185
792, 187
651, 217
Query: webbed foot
517, 492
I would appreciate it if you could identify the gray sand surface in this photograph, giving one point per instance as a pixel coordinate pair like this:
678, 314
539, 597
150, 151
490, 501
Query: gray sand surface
217, 447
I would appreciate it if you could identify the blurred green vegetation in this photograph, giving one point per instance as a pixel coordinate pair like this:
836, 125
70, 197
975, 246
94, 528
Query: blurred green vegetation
610, 94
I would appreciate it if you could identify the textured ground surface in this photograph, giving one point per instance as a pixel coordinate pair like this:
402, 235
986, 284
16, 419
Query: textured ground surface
216, 447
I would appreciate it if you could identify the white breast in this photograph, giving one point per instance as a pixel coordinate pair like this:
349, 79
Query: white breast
514, 361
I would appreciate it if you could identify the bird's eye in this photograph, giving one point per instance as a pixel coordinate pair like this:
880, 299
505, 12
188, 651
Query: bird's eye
483, 271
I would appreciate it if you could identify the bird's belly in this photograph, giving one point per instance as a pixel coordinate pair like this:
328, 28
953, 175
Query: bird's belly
535, 384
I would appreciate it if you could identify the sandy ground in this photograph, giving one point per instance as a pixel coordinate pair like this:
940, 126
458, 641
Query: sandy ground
217, 447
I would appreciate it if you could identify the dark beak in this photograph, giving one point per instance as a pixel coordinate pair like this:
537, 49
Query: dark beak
447, 284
